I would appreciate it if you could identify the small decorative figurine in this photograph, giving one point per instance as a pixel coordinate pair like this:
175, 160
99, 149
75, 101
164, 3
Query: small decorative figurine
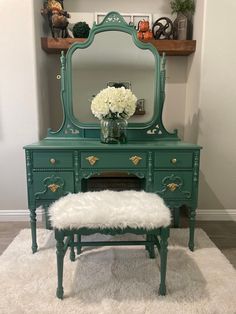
143, 30
57, 18
163, 28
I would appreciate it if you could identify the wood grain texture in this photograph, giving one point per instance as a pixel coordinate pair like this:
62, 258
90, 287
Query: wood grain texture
170, 47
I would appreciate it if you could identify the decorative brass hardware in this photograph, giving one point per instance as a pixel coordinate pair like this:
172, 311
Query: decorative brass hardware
58, 76
174, 161
172, 186
92, 160
53, 187
135, 159
52, 161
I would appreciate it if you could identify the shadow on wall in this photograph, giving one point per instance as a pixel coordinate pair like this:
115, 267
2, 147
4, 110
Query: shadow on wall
207, 198
192, 129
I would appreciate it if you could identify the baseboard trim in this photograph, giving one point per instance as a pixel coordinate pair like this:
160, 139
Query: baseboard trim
216, 214
19, 215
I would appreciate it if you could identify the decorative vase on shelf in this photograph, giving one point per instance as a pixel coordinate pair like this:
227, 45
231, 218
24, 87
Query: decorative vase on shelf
113, 130
183, 27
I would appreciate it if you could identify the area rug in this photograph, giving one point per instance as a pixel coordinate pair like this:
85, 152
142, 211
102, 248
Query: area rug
117, 280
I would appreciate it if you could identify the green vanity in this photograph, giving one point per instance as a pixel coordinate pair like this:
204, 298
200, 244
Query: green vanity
66, 159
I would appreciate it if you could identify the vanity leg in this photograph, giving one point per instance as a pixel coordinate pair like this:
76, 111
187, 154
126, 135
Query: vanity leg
192, 215
60, 261
33, 229
164, 234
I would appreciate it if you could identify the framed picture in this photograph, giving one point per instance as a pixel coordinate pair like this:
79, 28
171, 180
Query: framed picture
140, 106
126, 85
133, 18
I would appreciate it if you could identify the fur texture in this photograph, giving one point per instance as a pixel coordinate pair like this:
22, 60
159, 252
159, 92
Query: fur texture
110, 209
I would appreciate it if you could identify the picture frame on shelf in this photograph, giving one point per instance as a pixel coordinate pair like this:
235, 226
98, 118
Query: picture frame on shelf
133, 18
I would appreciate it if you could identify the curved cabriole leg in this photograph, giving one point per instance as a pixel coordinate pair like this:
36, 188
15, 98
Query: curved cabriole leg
192, 215
78, 243
59, 235
164, 234
33, 229
150, 247
72, 248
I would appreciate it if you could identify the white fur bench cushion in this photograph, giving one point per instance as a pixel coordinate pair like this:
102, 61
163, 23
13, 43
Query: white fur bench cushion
110, 209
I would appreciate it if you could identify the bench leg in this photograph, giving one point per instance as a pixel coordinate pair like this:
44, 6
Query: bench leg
72, 248
164, 234
150, 247
78, 245
60, 260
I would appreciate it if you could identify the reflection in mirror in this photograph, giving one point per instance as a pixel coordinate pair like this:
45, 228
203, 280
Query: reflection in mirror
112, 58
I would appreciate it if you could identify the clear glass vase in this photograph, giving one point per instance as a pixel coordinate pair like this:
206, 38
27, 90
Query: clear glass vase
113, 130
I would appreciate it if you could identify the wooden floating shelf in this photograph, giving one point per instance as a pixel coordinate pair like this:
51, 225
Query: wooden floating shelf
170, 47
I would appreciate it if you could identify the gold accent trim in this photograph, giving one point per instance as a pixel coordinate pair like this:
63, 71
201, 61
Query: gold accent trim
135, 160
174, 161
92, 160
53, 187
172, 186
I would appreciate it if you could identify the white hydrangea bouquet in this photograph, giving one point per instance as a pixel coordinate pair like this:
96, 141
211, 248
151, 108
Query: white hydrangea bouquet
113, 102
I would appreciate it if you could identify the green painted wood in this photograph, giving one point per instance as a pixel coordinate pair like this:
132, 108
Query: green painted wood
183, 181
152, 236
109, 160
71, 144
64, 182
174, 160
52, 159
74, 142
73, 128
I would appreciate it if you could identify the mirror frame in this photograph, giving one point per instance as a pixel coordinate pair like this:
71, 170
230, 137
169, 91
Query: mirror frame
151, 130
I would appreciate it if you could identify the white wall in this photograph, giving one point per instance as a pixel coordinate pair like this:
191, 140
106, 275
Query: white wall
18, 99
200, 92
217, 107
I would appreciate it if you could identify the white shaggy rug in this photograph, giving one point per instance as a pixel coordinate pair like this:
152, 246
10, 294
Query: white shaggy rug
117, 280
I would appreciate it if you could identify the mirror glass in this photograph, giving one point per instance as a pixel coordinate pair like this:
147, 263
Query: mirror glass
112, 58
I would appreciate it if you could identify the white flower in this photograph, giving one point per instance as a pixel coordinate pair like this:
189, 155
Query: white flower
114, 102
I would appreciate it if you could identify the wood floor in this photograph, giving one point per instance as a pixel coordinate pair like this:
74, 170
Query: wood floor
222, 233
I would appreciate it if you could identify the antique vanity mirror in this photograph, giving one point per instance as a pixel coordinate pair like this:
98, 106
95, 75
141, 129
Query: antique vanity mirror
112, 54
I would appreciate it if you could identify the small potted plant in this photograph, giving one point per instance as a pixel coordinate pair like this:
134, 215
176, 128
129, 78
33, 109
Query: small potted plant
81, 30
183, 23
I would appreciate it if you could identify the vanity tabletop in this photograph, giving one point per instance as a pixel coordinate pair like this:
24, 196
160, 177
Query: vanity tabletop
96, 144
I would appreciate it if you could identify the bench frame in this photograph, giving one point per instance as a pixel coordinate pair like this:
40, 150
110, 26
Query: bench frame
154, 237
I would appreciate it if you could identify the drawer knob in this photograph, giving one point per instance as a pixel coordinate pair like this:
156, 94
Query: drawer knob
172, 186
135, 160
53, 187
92, 160
174, 161
52, 161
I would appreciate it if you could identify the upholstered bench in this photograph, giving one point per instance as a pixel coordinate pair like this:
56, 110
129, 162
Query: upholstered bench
110, 212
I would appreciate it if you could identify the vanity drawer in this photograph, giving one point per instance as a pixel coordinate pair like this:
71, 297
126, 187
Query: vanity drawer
53, 159
52, 185
174, 185
173, 160
111, 160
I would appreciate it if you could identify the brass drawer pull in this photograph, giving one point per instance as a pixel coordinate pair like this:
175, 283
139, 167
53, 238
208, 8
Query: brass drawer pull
92, 160
172, 186
135, 160
52, 161
53, 187
174, 161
